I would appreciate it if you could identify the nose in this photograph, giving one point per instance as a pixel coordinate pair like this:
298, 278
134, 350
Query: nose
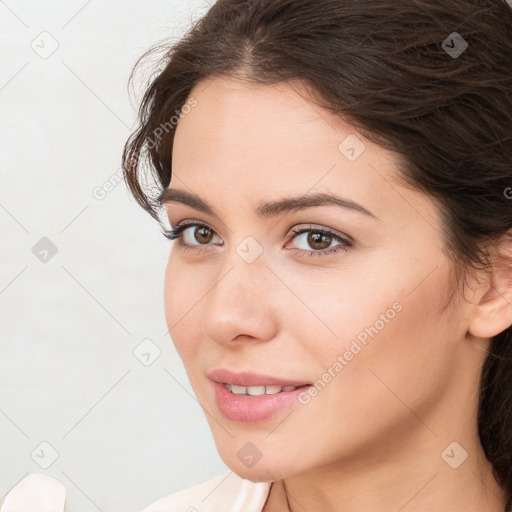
242, 305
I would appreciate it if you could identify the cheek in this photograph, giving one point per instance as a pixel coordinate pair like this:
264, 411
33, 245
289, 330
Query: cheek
378, 332
331, 308
372, 300
398, 366
181, 294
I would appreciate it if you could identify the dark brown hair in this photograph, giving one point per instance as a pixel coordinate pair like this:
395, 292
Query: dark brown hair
400, 71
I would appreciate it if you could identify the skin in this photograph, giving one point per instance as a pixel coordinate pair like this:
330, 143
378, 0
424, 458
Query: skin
373, 437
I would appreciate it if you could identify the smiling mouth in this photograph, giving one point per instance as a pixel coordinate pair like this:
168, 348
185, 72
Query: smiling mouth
255, 403
259, 390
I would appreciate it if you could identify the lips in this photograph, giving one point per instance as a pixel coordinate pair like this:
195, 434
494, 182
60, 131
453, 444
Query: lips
249, 379
245, 408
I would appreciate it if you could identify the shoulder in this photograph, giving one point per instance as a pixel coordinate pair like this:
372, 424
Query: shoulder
35, 492
226, 493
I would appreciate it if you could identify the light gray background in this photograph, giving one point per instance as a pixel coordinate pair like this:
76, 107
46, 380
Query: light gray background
126, 434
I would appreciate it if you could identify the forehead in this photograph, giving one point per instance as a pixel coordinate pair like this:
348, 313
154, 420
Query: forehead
274, 116
270, 132
247, 143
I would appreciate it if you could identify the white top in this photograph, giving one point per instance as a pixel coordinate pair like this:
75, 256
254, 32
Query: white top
226, 493
35, 493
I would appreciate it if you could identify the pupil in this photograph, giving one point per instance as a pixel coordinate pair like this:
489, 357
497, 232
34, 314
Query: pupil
202, 231
313, 239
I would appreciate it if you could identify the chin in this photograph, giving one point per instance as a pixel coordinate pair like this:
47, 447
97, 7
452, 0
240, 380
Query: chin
257, 474
261, 471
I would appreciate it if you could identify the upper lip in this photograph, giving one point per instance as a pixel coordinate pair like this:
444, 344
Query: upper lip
226, 376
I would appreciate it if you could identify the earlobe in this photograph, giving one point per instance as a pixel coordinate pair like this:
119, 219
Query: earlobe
492, 307
490, 320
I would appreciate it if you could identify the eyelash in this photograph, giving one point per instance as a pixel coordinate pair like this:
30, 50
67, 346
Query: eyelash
176, 233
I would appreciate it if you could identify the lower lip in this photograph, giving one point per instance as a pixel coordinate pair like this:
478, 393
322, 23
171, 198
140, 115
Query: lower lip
251, 409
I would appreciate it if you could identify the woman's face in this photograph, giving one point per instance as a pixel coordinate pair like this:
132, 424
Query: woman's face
368, 324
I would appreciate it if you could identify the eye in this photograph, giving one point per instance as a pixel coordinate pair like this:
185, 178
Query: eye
202, 234
319, 238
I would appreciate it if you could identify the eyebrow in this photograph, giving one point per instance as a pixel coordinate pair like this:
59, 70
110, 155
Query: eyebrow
268, 209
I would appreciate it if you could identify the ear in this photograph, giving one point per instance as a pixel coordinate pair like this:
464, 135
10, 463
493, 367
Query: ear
492, 311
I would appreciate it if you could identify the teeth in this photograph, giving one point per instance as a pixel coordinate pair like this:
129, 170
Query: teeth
270, 390
238, 390
257, 390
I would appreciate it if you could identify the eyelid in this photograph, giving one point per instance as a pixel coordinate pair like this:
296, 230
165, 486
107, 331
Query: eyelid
345, 241
304, 228
190, 223
296, 229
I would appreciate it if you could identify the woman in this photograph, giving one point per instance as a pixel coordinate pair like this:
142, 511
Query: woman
339, 187
338, 179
